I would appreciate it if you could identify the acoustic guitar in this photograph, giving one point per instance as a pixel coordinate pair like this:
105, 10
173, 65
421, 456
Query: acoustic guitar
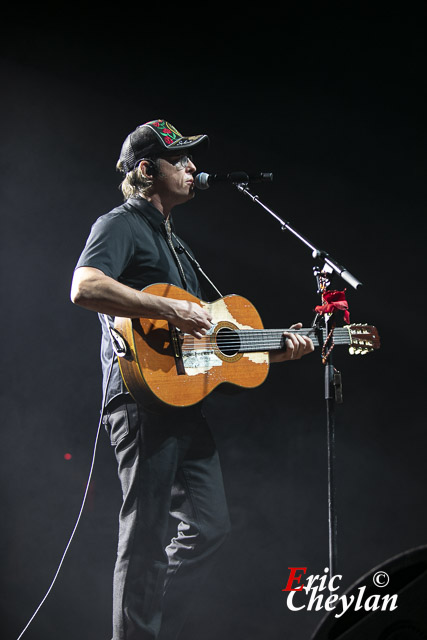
158, 362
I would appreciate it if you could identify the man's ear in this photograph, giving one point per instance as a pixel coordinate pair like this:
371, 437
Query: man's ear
148, 168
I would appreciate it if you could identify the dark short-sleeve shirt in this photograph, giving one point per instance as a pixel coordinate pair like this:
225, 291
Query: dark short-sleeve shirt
130, 245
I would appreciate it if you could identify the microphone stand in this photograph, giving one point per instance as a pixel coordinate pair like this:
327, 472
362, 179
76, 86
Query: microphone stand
332, 378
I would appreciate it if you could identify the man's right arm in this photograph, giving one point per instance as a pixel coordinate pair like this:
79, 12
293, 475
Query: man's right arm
94, 290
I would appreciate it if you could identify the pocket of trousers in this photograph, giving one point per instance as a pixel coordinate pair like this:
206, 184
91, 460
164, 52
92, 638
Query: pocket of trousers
121, 422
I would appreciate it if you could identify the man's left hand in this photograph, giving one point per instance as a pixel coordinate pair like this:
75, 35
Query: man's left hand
297, 346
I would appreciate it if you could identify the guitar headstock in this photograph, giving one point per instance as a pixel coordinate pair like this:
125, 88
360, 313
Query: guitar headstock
363, 339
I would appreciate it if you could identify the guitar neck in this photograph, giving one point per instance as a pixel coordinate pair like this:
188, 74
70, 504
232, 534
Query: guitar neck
273, 339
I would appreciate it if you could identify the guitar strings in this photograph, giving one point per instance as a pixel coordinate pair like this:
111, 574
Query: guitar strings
269, 333
261, 335
245, 341
260, 340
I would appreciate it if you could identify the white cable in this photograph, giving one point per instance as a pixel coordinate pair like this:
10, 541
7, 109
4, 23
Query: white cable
80, 512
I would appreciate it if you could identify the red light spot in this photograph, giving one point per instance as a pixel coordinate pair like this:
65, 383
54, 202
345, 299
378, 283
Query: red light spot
68, 456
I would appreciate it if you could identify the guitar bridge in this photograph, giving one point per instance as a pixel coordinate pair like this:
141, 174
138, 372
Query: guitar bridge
177, 352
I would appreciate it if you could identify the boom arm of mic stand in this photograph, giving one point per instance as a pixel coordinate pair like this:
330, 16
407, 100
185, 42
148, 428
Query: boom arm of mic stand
316, 252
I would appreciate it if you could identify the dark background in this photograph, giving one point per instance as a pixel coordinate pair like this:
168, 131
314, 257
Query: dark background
332, 100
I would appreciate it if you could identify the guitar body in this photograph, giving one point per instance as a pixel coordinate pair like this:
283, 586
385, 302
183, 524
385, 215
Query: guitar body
160, 365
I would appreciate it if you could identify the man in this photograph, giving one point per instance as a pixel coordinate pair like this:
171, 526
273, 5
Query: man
167, 460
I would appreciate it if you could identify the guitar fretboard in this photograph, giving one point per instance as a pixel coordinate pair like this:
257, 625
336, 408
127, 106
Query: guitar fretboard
272, 339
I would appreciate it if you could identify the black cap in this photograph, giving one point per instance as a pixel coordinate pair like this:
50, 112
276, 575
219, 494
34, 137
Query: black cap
156, 138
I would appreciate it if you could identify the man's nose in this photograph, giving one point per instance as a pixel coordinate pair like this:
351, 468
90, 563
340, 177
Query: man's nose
191, 167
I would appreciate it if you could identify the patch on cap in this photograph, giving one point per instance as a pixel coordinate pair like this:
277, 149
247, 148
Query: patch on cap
169, 136
155, 138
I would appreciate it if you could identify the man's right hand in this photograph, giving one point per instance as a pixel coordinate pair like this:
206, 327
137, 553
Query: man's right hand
190, 317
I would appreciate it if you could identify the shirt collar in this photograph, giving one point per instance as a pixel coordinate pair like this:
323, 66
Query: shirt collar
150, 212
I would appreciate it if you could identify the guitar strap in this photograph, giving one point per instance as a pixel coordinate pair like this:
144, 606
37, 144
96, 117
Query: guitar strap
174, 253
196, 264
182, 249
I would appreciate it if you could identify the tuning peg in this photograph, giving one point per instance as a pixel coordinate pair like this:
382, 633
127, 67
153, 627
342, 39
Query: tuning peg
359, 351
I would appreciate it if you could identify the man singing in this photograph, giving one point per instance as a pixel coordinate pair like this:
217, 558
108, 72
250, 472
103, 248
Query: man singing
168, 464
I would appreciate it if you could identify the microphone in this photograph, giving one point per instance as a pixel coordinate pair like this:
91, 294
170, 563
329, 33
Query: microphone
204, 180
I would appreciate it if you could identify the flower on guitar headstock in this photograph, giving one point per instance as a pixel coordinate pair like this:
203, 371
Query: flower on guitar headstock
334, 301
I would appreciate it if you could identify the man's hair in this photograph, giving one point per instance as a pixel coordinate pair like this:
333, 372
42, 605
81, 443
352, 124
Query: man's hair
135, 184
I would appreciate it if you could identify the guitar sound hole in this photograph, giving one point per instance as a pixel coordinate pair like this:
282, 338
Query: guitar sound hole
228, 341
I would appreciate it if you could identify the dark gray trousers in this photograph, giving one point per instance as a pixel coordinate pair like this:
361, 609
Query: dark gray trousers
169, 471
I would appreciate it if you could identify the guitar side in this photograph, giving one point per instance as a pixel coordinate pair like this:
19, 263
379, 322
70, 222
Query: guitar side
181, 375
